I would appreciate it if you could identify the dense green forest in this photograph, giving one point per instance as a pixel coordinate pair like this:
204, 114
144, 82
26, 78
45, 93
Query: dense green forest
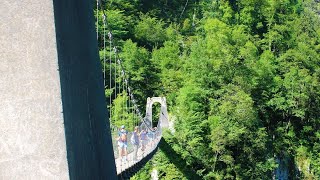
241, 78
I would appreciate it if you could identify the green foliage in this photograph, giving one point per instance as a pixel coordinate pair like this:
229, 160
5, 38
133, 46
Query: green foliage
144, 173
150, 31
118, 22
168, 60
236, 136
141, 71
240, 77
121, 112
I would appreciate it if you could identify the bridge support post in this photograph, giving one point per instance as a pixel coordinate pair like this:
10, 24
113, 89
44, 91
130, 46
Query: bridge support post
53, 120
164, 117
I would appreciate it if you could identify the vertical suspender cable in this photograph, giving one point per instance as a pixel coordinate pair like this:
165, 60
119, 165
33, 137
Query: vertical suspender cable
121, 91
128, 104
98, 20
126, 100
119, 85
110, 76
124, 97
115, 84
104, 50
129, 99
119, 76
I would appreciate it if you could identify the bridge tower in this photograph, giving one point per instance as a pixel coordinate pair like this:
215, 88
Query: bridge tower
164, 117
53, 120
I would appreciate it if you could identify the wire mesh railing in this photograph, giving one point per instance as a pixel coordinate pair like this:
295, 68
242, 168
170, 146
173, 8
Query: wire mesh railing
148, 142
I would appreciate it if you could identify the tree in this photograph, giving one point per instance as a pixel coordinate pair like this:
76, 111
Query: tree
143, 76
150, 31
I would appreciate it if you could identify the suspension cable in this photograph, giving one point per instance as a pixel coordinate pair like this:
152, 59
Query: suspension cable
110, 75
124, 97
135, 107
104, 51
115, 86
98, 20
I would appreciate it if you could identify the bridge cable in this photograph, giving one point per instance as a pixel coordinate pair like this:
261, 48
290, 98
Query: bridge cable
110, 75
115, 87
104, 51
120, 66
134, 102
98, 21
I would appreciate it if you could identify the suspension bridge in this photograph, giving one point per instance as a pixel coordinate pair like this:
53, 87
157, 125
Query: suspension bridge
135, 156
54, 121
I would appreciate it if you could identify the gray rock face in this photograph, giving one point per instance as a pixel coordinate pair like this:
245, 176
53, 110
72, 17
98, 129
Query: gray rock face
53, 117
32, 139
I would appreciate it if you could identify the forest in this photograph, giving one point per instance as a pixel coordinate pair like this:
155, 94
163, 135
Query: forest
241, 78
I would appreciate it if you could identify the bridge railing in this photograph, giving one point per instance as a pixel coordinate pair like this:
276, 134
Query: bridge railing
116, 82
122, 164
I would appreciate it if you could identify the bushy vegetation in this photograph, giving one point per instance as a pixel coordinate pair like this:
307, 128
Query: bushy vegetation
241, 80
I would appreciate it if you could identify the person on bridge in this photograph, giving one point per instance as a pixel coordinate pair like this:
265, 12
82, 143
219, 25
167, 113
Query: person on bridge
151, 136
122, 143
144, 140
156, 133
135, 140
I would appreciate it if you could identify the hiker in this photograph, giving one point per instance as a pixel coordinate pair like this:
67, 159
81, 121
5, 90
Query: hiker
156, 133
151, 136
135, 140
122, 143
144, 140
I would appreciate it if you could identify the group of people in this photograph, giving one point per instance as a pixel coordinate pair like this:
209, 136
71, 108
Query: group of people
137, 139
